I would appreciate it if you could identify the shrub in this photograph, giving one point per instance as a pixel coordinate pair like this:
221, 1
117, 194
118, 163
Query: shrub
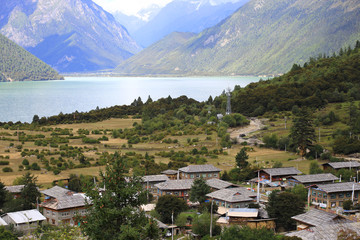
7, 169
4, 162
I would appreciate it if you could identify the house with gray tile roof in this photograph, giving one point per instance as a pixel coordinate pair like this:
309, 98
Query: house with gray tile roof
311, 179
62, 205
149, 181
172, 174
316, 217
341, 165
15, 190
334, 194
205, 171
232, 197
217, 184
278, 174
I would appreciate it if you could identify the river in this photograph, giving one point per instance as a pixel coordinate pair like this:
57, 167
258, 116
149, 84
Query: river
20, 101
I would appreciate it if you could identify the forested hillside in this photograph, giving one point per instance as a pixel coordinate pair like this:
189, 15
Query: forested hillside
17, 64
320, 81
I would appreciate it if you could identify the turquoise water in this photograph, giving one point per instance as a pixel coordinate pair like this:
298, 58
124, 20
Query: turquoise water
20, 101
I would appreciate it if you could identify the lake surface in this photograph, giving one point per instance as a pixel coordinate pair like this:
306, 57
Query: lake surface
20, 101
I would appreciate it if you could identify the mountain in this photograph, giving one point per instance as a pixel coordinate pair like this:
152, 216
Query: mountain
156, 51
70, 35
17, 64
184, 16
262, 37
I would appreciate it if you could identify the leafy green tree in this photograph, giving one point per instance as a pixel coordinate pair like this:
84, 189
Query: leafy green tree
347, 205
201, 225
152, 230
168, 205
114, 214
315, 168
6, 234
302, 132
241, 158
3, 194
198, 190
300, 191
30, 193
75, 183
283, 206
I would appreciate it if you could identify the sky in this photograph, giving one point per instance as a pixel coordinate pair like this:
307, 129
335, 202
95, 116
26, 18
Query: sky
134, 6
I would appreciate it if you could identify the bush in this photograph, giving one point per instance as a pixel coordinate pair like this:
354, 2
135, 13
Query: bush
7, 169
4, 162
25, 162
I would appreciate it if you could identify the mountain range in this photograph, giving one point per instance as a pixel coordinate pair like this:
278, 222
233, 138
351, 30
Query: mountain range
17, 64
70, 35
261, 37
183, 16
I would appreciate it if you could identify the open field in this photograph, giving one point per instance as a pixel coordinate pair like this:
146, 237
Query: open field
10, 150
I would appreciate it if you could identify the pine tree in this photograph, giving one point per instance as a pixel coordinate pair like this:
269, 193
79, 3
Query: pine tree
241, 158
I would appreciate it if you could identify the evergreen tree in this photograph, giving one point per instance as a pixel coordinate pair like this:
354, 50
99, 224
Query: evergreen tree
241, 158
302, 132
30, 193
198, 190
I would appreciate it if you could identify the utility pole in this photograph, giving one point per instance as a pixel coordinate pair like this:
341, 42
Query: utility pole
319, 134
258, 189
211, 216
285, 122
172, 227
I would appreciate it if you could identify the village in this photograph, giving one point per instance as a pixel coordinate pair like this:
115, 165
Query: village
239, 205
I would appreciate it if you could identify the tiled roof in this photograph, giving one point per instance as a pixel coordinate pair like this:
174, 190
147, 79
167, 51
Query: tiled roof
155, 178
55, 192
15, 188
282, 171
243, 212
316, 217
2, 222
326, 231
169, 172
313, 178
199, 168
231, 195
338, 165
219, 184
339, 187
184, 184
32, 215
66, 201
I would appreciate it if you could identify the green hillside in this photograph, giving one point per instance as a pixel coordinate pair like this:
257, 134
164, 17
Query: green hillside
262, 37
17, 64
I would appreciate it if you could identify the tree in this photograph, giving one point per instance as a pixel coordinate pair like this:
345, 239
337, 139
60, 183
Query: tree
201, 225
237, 232
198, 190
168, 205
283, 206
6, 234
3, 194
302, 132
114, 214
74, 183
30, 193
241, 158
315, 168
300, 191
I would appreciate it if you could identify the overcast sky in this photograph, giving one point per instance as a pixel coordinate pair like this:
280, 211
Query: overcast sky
131, 7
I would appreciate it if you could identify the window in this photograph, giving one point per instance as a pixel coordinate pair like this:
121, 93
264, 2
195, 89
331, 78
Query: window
333, 195
192, 176
209, 175
204, 176
348, 194
176, 193
198, 175
333, 204
324, 195
319, 194
313, 193
341, 195
215, 174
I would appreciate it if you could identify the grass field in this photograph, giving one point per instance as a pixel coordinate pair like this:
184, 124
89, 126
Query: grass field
262, 157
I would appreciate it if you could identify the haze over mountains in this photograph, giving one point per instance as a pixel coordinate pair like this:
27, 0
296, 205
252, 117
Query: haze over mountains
70, 35
262, 37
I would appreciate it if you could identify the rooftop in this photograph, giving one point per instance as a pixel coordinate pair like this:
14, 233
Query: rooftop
338, 165
15, 188
281, 171
170, 172
313, 178
199, 168
243, 212
339, 187
326, 231
316, 217
155, 178
184, 184
66, 201
55, 192
219, 184
239, 194
32, 215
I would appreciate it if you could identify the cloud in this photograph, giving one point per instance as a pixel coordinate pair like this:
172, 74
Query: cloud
129, 7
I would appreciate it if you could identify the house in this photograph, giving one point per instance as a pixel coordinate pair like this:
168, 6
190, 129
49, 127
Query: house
149, 181
317, 217
182, 187
206, 171
240, 216
24, 221
171, 174
2, 222
232, 197
311, 179
278, 174
340, 165
326, 231
334, 194
15, 190
62, 205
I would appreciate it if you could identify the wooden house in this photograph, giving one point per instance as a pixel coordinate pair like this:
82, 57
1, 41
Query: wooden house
311, 179
278, 174
149, 182
207, 171
171, 174
15, 190
341, 165
232, 197
334, 194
